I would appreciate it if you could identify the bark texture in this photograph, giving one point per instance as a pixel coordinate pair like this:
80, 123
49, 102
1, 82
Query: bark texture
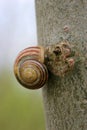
65, 98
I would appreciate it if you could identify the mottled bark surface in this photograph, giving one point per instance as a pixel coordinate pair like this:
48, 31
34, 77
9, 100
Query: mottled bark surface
65, 98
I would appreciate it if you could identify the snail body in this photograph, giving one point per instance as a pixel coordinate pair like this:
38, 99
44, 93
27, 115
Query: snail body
29, 68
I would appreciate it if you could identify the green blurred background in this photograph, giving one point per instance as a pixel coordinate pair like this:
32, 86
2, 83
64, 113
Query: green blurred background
20, 108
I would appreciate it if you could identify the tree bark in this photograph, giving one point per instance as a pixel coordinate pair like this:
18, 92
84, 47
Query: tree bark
65, 98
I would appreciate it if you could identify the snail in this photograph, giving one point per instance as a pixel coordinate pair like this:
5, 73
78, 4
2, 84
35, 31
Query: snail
33, 63
29, 68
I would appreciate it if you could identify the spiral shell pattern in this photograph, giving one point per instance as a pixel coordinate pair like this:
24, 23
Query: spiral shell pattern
29, 68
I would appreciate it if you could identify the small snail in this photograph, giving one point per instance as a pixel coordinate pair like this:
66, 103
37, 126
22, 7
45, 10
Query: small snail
29, 68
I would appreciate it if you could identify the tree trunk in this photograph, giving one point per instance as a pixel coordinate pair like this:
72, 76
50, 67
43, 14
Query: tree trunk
65, 98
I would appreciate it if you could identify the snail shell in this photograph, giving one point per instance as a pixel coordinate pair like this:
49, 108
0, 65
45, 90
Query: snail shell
29, 68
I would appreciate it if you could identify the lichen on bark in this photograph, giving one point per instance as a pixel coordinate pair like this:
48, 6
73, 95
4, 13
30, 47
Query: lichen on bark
60, 58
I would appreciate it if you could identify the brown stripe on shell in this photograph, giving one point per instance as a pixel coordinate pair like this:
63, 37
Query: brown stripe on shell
32, 52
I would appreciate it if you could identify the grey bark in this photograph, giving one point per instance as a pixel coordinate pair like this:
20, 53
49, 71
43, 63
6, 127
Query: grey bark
65, 98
